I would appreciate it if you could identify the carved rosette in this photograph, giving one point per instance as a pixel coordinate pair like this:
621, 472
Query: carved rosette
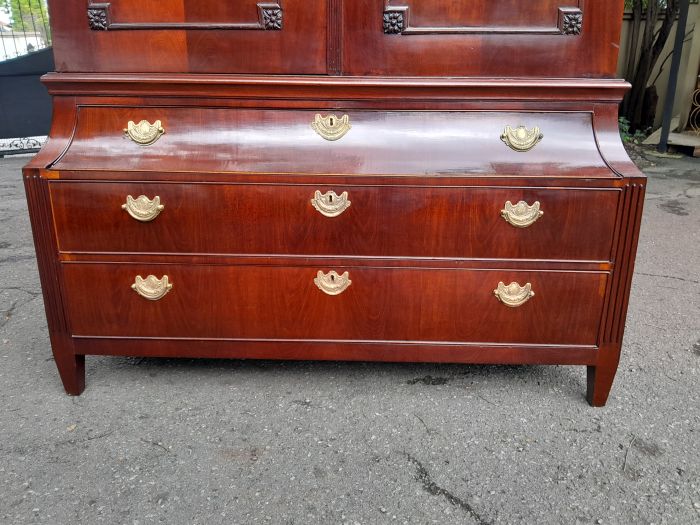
271, 17
570, 21
394, 21
98, 17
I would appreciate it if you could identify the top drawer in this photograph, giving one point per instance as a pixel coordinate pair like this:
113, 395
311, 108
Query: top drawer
356, 142
489, 38
196, 36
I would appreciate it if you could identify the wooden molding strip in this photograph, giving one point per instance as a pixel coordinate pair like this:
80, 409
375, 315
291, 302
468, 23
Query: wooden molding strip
270, 18
397, 20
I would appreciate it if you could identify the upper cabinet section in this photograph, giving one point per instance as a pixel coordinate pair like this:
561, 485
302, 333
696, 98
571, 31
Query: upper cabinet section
550, 38
484, 38
195, 36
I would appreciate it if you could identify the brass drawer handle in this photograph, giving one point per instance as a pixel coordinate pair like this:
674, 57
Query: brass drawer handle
521, 215
521, 139
142, 208
151, 287
332, 283
331, 127
330, 204
514, 295
144, 133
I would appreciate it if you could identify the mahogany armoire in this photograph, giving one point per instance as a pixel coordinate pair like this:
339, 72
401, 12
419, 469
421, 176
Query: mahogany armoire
380, 180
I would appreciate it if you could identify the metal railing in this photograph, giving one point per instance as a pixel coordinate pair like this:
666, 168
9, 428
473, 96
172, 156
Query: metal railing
629, 3
24, 28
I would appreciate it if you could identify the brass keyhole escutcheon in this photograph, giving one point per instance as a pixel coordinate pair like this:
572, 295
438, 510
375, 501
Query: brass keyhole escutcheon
330, 204
332, 283
331, 127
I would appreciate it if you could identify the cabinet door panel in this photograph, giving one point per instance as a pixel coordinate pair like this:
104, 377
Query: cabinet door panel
195, 36
481, 37
486, 16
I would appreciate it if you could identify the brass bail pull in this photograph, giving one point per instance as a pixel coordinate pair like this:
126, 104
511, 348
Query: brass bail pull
144, 133
151, 287
142, 208
521, 139
521, 215
513, 295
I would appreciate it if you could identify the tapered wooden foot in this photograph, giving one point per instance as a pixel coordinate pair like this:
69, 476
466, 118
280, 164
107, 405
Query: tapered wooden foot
71, 368
600, 380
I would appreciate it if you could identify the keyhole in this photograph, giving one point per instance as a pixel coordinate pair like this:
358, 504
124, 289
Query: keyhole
333, 278
330, 199
332, 121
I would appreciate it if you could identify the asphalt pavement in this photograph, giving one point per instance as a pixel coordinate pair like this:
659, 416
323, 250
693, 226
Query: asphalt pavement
214, 441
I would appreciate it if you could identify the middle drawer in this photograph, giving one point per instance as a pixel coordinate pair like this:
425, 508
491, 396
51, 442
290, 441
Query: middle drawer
295, 219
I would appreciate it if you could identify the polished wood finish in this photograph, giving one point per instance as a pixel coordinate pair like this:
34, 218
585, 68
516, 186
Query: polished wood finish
396, 220
159, 42
483, 38
236, 89
340, 37
379, 142
71, 365
381, 305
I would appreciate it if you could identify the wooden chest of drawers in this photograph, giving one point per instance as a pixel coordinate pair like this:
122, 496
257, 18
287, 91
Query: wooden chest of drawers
329, 179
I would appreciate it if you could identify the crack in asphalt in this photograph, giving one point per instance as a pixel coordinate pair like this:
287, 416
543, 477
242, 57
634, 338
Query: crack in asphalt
668, 277
17, 258
6, 315
32, 293
423, 477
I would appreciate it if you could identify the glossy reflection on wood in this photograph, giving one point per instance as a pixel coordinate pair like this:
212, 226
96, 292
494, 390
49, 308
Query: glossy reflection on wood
379, 142
382, 304
383, 233
382, 221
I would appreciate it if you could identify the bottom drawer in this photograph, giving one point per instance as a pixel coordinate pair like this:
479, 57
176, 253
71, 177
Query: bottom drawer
299, 303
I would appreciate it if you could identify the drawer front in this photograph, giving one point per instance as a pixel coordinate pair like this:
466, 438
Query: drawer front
381, 221
420, 143
481, 37
378, 304
195, 36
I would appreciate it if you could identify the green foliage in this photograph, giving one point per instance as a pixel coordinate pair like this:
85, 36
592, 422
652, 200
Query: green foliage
28, 15
627, 136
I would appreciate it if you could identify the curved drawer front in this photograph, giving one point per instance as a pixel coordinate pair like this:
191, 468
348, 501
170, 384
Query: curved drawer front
191, 36
420, 143
342, 303
379, 221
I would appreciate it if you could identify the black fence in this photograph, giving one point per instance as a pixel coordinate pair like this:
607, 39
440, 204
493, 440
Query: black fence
25, 55
630, 3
